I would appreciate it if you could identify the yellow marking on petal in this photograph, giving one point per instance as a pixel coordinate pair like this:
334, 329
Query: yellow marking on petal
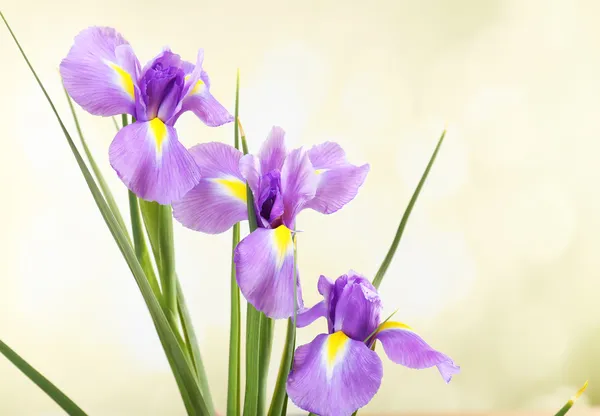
319, 171
125, 79
197, 87
235, 187
159, 130
283, 242
394, 325
335, 344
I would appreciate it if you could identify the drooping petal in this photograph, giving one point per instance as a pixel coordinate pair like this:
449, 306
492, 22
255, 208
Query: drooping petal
264, 263
219, 199
272, 152
339, 180
298, 182
199, 100
100, 72
308, 316
403, 346
152, 162
358, 308
334, 375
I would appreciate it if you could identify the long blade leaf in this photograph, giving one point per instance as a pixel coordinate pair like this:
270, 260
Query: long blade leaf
176, 357
42, 382
233, 380
392, 250
563, 411
110, 200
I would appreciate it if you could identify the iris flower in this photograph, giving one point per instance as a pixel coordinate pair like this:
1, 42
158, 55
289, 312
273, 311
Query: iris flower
103, 75
282, 183
339, 372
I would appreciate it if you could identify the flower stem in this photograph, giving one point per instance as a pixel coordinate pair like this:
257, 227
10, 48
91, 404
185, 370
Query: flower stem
167, 262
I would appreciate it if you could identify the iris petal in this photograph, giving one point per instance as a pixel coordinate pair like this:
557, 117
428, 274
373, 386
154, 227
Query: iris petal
219, 199
264, 263
339, 180
298, 182
272, 152
152, 163
334, 375
100, 72
403, 346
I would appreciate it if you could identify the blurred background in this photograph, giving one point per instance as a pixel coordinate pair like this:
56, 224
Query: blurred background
498, 266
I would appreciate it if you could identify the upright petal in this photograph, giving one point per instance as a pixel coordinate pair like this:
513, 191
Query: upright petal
100, 72
272, 152
334, 375
264, 263
403, 346
152, 163
358, 308
339, 180
299, 184
199, 100
219, 199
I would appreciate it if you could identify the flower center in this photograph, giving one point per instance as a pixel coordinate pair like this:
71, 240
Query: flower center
270, 202
162, 85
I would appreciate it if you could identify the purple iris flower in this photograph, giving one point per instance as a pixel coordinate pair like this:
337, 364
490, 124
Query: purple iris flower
103, 75
282, 183
338, 373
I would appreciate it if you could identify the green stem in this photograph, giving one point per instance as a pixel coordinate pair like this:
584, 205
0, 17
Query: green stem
191, 343
167, 262
139, 244
233, 386
266, 345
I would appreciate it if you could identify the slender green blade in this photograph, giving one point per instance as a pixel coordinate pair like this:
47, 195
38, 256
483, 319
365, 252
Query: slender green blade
266, 345
253, 327
167, 256
233, 380
139, 243
390, 255
110, 200
115, 123
193, 348
571, 401
176, 357
150, 215
42, 382
379, 326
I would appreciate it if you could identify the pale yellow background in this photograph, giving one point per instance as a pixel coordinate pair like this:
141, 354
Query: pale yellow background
498, 266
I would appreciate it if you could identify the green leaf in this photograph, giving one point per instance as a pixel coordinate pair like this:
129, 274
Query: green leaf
571, 401
167, 262
266, 345
42, 382
150, 216
233, 380
390, 255
110, 200
184, 376
115, 123
192, 346
139, 243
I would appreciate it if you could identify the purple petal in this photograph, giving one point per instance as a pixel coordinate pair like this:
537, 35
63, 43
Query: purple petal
152, 163
264, 263
299, 184
405, 347
326, 288
219, 200
308, 316
358, 308
334, 375
272, 152
251, 171
200, 101
100, 72
339, 180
